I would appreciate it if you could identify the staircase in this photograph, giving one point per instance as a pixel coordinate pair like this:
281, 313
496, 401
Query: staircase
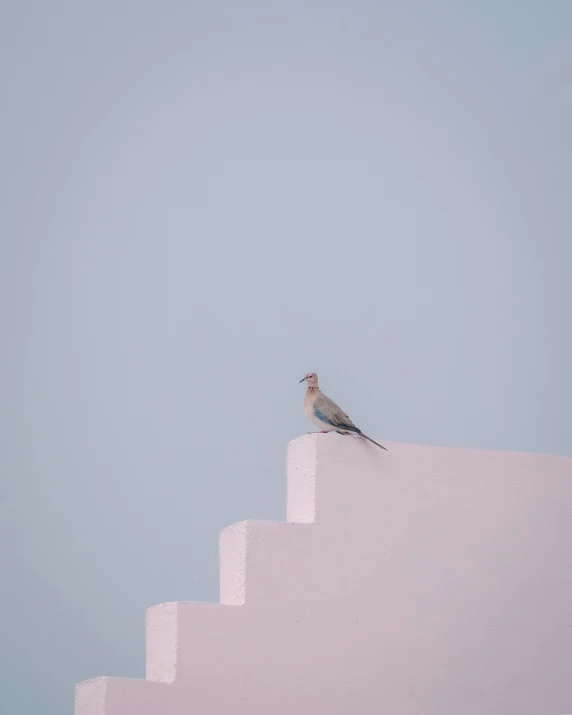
418, 581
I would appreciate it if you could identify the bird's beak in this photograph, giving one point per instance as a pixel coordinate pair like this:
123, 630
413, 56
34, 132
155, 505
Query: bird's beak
302, 380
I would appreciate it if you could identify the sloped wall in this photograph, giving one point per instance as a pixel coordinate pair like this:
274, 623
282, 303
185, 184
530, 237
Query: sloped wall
418, 581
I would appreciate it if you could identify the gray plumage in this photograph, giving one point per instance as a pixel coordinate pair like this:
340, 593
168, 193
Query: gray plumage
324, 405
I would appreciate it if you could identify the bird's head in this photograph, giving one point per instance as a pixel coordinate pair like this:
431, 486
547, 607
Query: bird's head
311, 379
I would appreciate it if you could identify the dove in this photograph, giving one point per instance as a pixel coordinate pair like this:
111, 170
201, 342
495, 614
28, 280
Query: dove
324, 412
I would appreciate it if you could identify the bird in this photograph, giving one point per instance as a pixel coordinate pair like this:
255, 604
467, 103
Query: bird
324, 412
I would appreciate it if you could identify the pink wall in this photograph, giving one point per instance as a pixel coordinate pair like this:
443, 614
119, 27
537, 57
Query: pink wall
418, 581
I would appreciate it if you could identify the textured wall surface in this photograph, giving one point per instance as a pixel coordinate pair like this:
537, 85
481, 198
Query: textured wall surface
418, 581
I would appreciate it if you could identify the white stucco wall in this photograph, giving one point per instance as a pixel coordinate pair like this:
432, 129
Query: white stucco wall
418, 581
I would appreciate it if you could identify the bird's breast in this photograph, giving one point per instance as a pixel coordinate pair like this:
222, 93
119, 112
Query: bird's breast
309, 399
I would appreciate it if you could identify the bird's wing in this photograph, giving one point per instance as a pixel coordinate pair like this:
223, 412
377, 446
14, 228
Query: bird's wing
326, 409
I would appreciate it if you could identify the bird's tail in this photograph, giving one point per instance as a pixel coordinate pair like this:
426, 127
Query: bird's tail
372, 440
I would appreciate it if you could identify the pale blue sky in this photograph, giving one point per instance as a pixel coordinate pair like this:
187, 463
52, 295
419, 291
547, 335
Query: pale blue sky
203, 201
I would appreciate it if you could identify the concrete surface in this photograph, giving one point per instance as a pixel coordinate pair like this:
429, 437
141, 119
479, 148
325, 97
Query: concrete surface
418, 581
